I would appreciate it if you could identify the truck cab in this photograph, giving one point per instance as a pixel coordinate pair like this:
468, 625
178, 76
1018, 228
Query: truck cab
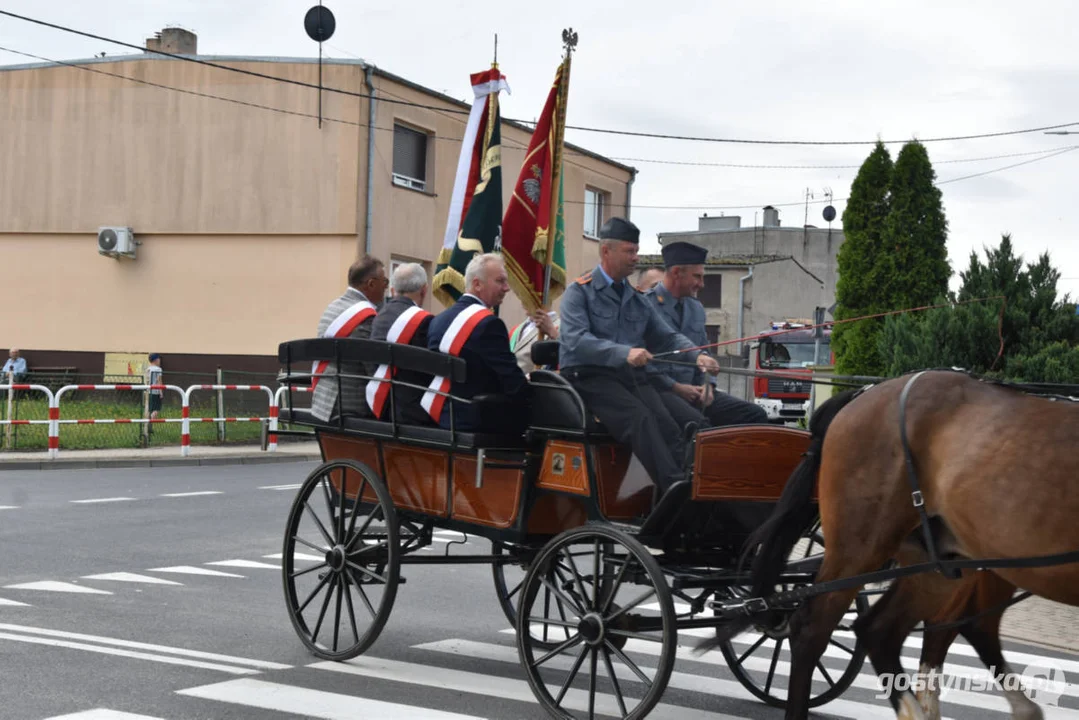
788, 348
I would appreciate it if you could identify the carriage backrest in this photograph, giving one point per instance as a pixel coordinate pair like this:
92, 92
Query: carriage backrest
371, 352
555, 404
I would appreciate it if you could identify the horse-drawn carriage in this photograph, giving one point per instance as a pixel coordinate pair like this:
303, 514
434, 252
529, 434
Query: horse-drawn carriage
609, 573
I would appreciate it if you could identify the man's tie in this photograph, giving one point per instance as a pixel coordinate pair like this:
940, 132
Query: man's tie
680, 308
619, 287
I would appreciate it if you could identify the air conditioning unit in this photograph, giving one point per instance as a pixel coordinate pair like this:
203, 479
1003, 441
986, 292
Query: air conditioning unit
116, 242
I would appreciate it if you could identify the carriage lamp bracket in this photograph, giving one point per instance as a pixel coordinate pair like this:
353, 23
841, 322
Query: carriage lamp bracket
480, 454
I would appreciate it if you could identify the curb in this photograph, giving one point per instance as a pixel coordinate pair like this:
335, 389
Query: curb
160, 462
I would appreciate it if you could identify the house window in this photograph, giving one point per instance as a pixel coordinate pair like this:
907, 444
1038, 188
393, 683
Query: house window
409, 158
595, 204
712, 332
711, 295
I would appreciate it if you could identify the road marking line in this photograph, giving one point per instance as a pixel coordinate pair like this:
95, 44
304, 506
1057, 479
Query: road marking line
103, 714
130, 577
313, 703
290, 486
9, 507
57, 586
245, 564
13, 603
102, 500
508, 688
29, 630
297, 556
192, 570
193, 494
127, 653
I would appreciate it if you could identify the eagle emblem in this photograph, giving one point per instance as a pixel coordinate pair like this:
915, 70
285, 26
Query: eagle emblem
532, 185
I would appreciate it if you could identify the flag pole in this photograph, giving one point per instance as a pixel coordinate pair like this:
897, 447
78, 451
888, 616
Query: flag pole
569, 41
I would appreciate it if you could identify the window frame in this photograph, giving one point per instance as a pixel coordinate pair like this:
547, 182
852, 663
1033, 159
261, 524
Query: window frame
404, 180
602, 202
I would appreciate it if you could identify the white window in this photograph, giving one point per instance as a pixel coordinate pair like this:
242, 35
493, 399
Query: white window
409, 158
595, 204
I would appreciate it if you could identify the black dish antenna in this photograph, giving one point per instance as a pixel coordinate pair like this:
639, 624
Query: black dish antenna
319, 24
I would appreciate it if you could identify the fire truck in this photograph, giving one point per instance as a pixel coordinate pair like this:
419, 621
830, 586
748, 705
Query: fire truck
787, 399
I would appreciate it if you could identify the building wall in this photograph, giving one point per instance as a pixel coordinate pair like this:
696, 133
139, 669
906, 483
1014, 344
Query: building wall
248, 218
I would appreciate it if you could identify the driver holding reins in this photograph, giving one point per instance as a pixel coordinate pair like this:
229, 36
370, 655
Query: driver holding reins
609, 332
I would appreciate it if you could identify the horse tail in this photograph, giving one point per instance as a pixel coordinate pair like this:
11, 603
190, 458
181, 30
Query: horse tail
774, 539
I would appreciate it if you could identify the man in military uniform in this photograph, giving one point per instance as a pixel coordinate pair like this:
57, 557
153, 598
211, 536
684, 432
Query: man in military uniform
675, 297
609, 332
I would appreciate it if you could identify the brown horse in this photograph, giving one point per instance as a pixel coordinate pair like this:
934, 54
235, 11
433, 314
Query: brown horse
998, 471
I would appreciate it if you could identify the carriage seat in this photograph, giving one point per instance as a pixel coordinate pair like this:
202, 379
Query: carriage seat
416, 433
557, 407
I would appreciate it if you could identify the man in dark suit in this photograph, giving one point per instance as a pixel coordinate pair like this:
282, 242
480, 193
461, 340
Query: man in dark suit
402, 319
470, 330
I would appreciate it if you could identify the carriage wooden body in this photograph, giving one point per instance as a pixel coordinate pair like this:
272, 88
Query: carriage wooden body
564, 481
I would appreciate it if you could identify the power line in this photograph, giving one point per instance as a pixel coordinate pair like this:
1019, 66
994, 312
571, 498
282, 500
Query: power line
824, 167
582, 128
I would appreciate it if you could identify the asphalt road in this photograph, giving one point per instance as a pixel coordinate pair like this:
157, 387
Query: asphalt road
161, 598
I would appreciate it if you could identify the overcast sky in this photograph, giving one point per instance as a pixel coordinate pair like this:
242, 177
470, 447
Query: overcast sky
841, 70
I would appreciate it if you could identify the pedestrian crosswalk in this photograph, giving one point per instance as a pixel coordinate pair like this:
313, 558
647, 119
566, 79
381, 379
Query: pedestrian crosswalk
456, 678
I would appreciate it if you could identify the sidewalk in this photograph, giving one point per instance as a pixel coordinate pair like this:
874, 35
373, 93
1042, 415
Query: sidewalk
167, 456
1042, 622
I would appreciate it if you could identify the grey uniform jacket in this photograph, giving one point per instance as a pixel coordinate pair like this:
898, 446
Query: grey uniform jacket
353, 400
598, 328
687, 317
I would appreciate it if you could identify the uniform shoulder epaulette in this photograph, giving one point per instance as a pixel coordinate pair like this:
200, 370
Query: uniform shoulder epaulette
585, 279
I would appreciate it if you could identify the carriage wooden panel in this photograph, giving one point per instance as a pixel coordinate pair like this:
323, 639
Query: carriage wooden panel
625, 490
564, 468
347, 447
496, 503
747, 463
417, 478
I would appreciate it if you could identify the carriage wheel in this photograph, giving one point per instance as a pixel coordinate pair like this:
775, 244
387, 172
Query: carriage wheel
610, 600
341, 560
755, 657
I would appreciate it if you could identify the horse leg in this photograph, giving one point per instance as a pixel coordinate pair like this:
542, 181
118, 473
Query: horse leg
811, 629
983, 635
882, 631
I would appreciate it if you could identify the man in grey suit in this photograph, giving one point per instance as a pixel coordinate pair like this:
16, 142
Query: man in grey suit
402, 319
675, 298
349, 316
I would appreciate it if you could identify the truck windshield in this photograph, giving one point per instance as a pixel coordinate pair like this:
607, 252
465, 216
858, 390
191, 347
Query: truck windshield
790, 355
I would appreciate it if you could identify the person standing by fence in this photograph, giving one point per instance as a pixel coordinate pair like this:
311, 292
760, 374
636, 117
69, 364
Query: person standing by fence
154, 376
15, 366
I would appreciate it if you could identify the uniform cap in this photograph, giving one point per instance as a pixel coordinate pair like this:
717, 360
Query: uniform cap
620, 229
683, 253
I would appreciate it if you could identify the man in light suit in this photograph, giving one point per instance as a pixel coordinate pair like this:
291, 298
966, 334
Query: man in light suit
349, 316
470, 330
675, 299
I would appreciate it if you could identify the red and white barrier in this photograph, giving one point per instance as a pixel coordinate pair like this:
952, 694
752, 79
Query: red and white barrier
70, 388
54, 421
185, 438
54, 415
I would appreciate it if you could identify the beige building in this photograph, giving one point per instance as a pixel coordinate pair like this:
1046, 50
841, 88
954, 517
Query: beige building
245, 212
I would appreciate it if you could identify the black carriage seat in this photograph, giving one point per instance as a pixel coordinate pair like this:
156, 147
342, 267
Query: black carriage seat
558, 408
407, 357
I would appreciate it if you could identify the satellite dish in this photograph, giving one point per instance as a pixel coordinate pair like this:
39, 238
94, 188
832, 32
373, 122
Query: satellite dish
829, 213
319, 23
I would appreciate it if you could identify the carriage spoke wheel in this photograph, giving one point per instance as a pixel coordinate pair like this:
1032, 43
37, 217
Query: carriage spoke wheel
341, 561
760, 659
610, 602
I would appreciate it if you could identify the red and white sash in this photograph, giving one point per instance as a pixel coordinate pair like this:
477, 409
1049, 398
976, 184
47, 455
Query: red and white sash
455, 338
342, 327
402, 330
